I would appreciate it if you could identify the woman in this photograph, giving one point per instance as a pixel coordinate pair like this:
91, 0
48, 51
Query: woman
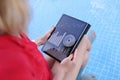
19, 56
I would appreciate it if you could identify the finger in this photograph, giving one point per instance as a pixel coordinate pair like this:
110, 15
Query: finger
49, 32
81, 49
88, 47
86, 44
86, 57
78, 56
74, 54
91, 36
83, 42
69, 58
46, 35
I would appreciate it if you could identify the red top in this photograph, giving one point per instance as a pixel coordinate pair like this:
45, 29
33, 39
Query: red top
21, 60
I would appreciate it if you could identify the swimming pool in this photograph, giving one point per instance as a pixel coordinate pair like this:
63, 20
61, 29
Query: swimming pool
103, 15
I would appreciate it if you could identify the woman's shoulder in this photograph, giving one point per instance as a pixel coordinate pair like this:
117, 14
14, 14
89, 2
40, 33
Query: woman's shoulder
20, 60
13, 60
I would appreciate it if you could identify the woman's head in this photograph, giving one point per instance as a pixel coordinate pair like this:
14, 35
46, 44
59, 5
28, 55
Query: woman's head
14, 16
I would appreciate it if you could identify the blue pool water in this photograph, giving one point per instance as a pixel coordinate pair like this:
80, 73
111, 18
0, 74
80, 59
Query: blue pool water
103, 15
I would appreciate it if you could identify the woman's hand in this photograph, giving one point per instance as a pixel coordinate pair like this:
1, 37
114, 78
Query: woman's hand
59, 70
41, 40
80, 59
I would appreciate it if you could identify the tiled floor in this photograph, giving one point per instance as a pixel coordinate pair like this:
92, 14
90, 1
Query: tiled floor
103, 15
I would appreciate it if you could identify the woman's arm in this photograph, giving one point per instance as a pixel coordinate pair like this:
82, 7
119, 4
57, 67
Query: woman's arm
59, 70
40, 41
71, 65
80, 58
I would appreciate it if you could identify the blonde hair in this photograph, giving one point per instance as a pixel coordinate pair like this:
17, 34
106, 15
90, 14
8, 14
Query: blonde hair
14, 16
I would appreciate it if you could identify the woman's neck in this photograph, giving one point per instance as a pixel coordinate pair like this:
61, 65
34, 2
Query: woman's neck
12, 34
1, 32
16, 35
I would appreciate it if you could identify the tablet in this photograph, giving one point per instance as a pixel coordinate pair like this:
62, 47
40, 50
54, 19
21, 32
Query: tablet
65, 37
